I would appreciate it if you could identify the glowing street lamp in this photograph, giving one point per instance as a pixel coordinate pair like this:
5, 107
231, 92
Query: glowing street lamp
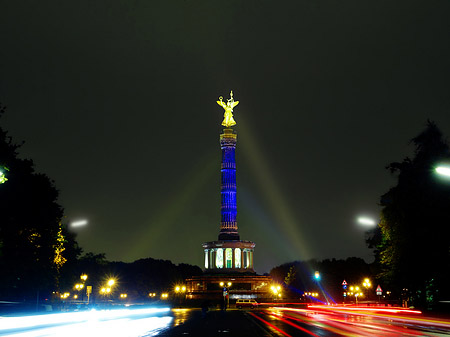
317, 276
83, 277
79, 286
443, 170
111, 282
65, 295
358, 295
79, 223
276, 290
365, 221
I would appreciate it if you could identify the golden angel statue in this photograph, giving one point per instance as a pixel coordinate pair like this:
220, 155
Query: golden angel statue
228, 119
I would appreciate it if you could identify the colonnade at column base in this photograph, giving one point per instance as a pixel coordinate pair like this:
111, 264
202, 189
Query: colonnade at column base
229, 256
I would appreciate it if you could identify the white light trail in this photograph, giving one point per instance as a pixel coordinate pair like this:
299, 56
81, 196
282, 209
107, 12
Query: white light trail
73, 317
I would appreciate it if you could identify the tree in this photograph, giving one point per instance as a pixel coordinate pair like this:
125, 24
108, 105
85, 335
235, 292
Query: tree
412, 241
32, 243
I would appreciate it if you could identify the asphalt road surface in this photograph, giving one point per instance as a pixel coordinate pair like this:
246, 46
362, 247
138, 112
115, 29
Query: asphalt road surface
267, 321
314, 321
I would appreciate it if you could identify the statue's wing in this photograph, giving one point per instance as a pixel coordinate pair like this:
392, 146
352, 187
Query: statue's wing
234, 104
222, 104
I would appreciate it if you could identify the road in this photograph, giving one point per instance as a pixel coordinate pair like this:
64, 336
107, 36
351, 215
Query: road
267, 322
314, 321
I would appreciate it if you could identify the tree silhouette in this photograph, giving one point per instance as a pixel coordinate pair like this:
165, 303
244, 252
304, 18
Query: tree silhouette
412, 240
32, 242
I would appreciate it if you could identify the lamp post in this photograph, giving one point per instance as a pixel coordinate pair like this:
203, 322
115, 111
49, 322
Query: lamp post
225, 293
367, 285
180, 290
276, 291
78, 288
83, 278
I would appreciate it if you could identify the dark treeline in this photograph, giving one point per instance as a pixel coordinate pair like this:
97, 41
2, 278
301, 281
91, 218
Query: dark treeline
299, 277
137, 279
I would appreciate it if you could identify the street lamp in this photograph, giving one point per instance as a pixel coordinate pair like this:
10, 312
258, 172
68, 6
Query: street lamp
276, 290
79, 223
79, 286
365, 221
443, 170
367, 285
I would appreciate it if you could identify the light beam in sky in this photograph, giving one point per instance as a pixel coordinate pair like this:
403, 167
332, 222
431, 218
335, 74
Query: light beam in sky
287, 223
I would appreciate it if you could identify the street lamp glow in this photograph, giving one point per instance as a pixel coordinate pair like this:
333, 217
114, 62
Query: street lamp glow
366, 221
317, 275
367, 283
79, 286
442, 170
111, 282
79, 223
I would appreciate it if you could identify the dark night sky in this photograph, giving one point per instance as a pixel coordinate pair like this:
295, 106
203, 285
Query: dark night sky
115, 101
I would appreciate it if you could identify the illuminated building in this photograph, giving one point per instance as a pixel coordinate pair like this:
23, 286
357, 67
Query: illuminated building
228, 259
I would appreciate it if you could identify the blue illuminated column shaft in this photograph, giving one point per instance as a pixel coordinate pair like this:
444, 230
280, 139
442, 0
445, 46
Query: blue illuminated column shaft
228, 224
